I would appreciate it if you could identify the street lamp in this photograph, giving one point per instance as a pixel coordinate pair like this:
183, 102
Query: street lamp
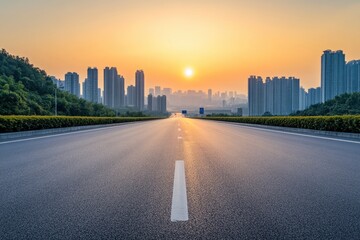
56, 86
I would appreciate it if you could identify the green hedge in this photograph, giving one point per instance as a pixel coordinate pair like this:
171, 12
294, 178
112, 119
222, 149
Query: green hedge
349, 123
24, 123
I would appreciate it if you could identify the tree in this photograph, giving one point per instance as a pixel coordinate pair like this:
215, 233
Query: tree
25, 89
344, 104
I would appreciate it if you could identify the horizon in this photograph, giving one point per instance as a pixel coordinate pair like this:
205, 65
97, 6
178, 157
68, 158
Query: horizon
223, 45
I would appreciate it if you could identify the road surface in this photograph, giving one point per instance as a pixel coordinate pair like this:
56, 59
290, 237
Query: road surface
241, 183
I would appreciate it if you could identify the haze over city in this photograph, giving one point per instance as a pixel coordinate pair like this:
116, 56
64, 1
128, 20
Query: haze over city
223, 42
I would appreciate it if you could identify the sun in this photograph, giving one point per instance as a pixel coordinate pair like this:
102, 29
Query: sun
189, 72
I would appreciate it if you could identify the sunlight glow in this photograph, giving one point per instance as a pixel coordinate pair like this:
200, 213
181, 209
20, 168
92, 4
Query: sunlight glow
189, 72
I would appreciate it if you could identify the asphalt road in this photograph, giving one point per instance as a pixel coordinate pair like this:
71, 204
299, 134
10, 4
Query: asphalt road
241, 183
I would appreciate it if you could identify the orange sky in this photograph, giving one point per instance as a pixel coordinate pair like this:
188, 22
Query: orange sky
223, 41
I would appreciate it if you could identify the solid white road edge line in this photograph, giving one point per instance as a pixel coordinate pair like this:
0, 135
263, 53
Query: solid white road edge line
300, 134
61, 134
179, 208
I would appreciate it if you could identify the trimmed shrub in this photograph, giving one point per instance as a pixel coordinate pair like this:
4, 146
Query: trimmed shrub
25, 123
348, 123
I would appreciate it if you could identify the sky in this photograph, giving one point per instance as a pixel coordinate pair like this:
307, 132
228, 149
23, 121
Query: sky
223, 41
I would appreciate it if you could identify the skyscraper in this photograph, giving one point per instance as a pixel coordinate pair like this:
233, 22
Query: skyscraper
158, 103
114, 88
256, 96
353, 76
72, 84
209, 95
152, 91
84, 93
59, 83
109, 77
154, 107
314, 96
119, 91
302, 96
150, 102
286, 104
157, 91
163, 104
140, 87
332, 74
99, 96
167, 91
295, 94
269, 96
90, 86
279, 96
131, 96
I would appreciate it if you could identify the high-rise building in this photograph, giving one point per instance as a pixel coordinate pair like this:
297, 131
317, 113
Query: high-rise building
150, 102
119, 92
332, 74
269, 95
140, 86
84, 93
314, 96
279, 96
114, 88
157, 90
285, 104
152, 91
122, 91
353, 76
154, 104
157, 104
256, 96
72, 84
209, 95
302, 96
59, 83
163, 104
110, 75
102, 97
167, 91
99, 96
295, 94
90, 85
131, 96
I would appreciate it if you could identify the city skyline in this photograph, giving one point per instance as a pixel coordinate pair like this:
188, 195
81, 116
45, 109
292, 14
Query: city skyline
283, 96
333, 63
154, 89
222, 51
114, 95
276, 95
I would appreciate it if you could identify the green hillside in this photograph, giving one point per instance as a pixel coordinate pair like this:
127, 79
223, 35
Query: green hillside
345, 104
27, 90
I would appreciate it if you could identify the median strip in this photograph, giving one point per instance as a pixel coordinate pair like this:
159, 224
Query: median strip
179, 208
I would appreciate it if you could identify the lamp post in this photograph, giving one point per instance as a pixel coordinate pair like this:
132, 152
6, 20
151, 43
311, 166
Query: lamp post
56, 98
